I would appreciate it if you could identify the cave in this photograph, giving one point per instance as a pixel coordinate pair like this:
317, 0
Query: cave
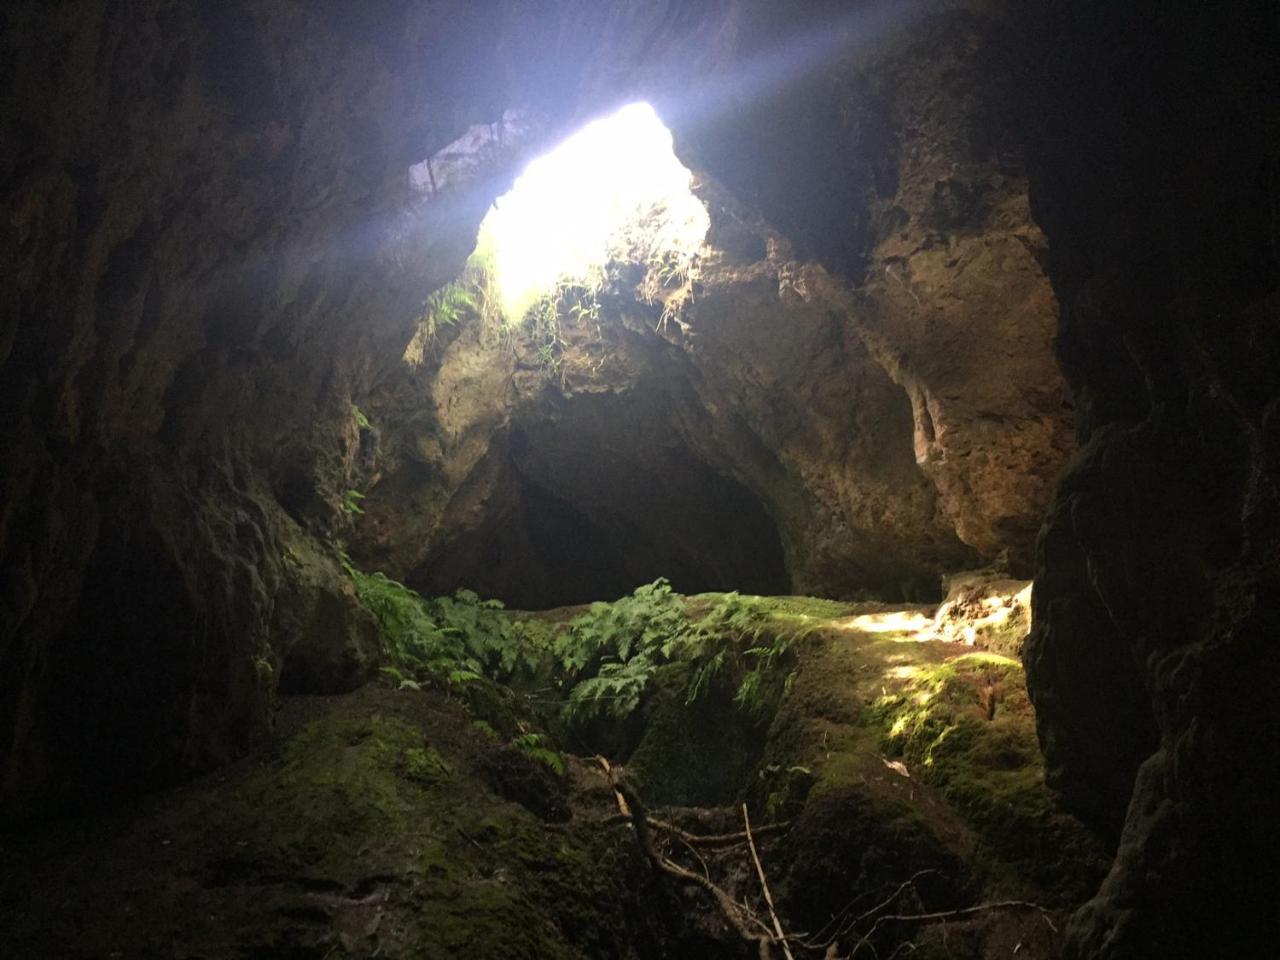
631, 480
596, 507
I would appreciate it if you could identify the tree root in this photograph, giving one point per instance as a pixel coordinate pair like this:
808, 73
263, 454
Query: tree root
718, 839
864, 939
752, 928
739, 917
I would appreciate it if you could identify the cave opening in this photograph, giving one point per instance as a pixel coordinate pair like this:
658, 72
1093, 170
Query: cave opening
598, 495
613, 192
595, 484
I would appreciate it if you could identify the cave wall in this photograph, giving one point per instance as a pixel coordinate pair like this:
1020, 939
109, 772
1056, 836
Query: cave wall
750, 379
896, 161
208, 236
211, 248
881, 376
1153, 659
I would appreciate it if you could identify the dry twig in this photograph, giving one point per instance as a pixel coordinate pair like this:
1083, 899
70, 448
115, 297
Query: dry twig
736, 915
764, 885
717, 839
951, 914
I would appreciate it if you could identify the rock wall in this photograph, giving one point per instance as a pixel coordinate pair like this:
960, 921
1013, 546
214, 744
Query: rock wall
207, 236
897, 160
752, 379
211, 245
1153, 658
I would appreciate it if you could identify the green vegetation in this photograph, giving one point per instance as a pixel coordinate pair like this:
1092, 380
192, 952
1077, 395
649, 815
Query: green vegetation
470, 298
424, 765
452, 304
447, 641
351, 503
541, 331
535, 747
609, 656
362, 793
604, 661
967, 726
782, 701
785, 789
362, 421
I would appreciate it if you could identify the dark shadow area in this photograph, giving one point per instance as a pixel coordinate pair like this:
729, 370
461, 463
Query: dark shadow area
598, 498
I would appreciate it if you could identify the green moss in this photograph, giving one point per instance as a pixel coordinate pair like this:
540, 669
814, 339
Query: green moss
339, 781
784, 789
702, 751
361, 793
808, 607
425, 765
813, 608
967, 727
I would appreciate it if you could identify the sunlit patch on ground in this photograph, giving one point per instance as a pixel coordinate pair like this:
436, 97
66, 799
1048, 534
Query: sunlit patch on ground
987, 614
910, 624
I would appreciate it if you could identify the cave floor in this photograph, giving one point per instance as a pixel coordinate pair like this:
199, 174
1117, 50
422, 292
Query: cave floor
902, 771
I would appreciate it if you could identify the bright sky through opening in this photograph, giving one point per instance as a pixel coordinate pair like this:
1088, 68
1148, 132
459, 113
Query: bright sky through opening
613, 191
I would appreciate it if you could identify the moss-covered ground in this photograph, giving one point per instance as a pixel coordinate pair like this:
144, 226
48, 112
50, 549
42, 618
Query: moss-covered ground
456, 822
384, 826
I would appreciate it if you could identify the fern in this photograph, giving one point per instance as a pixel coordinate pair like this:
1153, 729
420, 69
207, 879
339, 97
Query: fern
615, 691
351, 503
607, 658
447, 641
534, 746
651, 621
610, 655
704, 675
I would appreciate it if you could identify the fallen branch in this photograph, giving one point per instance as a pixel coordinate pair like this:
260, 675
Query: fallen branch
717, 839
952, 914
764, 885
838, 926
736, 915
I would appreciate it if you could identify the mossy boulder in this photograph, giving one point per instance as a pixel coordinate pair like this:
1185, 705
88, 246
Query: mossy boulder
370, 830
698, 752
967, 726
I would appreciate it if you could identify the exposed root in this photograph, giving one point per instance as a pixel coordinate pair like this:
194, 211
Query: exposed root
838, 926
718, 839
738, 916
766, 936
865, 939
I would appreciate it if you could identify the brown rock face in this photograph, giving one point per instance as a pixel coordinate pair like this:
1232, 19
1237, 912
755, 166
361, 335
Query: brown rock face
754, 412
904, 166
963, 315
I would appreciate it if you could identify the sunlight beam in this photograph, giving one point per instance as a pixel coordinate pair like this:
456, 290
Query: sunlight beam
613, 191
